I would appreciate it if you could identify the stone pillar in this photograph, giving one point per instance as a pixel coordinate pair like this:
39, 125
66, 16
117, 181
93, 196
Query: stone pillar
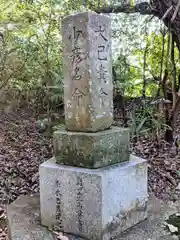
88, 139
92, 187
88, 88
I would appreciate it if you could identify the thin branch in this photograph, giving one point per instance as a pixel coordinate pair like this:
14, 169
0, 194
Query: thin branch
116, 9
162, 53
167, 12
144, 70
162, 60
175, 12
168, 46
164, 83
174, 71
142, 8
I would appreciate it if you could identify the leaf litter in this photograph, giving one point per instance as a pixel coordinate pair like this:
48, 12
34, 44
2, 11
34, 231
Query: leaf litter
23, 149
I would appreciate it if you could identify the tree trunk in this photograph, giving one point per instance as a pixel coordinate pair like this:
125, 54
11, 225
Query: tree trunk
173, 17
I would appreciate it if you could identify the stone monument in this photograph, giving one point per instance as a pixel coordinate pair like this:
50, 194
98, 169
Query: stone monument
92, 187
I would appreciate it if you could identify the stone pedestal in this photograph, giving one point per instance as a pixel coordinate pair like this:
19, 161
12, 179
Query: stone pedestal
91, 150
95, 203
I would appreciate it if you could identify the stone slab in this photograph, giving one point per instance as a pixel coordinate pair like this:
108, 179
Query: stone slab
152, 228
87, 70
92, 150
96, 204
24, 220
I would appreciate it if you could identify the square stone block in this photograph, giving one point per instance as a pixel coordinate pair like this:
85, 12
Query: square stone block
91, 150
94, 203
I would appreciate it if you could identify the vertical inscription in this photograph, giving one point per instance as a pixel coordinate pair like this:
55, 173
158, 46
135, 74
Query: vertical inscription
102, 73
101, 31
76, 34
77, 53
101, 53
79, 201
59, 222
102, 48
103, 95
102, 57
78, 96
77, 56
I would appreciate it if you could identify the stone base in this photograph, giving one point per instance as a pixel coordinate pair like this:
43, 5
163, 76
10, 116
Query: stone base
24, 222
96, 204
91, 150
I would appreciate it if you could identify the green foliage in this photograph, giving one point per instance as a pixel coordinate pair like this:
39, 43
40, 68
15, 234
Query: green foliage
33, 29
131, 72
144, 120
31, 53
141, 120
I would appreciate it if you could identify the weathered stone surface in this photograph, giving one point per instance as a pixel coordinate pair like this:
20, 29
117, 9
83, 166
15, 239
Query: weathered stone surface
96, 204
92, 150
24, 220
152, 228
88, 88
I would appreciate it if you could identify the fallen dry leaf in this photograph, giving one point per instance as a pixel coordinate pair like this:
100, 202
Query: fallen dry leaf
178, 186
60, 236
172, 228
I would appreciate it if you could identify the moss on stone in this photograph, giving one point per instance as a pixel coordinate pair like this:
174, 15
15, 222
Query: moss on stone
91, 150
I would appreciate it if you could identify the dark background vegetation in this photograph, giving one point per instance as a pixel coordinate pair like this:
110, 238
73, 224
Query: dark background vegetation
146, 75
